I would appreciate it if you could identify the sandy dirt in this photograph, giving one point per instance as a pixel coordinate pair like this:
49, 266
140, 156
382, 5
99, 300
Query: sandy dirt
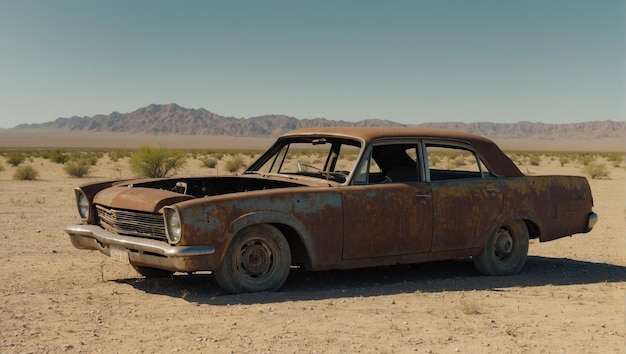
569, 298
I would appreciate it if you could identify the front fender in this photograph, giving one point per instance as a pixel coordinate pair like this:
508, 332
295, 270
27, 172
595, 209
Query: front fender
316, 216
268, 217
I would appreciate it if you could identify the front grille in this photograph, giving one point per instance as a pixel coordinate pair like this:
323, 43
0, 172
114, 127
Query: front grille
132, 223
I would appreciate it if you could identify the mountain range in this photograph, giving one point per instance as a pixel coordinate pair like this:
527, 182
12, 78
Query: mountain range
174, 119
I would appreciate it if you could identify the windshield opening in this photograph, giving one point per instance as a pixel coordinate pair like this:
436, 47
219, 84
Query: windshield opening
322, 157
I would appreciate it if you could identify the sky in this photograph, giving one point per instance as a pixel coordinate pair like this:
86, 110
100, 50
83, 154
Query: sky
417, 61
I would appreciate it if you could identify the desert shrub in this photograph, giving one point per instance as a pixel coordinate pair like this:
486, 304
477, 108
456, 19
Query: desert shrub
209, 162
156, 162
232, 153
522, 159
615, 158
585, 159
114, 156
470, 307
91, 157
564, 160
59, 157
15, 158
234, 164
118, 154
78, 168
456, 162
534, 160
218, 155
596, 170
25, 173
434, 160
44, 154
1, 167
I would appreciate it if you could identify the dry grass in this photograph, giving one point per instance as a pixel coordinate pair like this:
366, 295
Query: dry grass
470, 307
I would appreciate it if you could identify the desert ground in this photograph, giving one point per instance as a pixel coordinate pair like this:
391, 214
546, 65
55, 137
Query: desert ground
569, 297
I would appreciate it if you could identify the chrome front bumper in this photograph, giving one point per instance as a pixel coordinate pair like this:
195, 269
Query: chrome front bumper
143, 252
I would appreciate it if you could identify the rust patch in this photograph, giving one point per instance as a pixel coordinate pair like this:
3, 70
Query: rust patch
141, 199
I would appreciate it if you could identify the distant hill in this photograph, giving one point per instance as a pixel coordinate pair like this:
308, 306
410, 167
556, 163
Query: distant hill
173, 119
606, 129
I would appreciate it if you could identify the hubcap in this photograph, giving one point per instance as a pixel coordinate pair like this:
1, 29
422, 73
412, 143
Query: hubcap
504, 244
256, 259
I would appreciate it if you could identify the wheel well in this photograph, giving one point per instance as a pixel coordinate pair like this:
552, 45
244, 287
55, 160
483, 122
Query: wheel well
299, 255
533, 229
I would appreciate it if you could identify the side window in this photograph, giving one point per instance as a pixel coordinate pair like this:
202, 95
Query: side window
389, 163
453, 162
368, 172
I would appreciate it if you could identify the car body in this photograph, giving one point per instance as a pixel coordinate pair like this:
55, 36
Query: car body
336, 198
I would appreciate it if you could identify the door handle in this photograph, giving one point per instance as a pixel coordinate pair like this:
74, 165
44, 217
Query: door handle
422, 196
493, 191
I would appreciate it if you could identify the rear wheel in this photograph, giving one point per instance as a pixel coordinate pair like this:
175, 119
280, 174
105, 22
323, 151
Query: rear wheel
506, 250
257, 259
149, 272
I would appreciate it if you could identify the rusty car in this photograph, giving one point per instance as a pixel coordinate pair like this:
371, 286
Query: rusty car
335, 198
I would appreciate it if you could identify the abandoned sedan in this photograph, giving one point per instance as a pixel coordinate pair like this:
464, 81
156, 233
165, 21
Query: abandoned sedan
336, 198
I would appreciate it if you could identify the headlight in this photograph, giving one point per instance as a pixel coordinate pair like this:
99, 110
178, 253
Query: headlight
83, 204
173, 226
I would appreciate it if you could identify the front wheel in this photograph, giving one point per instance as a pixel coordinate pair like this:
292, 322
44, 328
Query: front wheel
506, 250
257, 259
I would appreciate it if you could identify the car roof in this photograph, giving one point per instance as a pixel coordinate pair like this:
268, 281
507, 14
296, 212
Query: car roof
370, 134
500, 164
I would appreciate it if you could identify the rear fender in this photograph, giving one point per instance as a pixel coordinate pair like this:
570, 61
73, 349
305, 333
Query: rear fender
528, 217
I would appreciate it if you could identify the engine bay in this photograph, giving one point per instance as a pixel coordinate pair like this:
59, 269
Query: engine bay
208, 186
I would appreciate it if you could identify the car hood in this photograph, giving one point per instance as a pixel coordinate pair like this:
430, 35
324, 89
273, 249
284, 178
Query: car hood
151, 195
144, 199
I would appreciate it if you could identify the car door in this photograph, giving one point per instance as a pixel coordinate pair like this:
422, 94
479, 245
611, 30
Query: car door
467, 198
384, 217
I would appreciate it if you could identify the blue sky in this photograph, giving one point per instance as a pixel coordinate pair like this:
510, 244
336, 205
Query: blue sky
553, 61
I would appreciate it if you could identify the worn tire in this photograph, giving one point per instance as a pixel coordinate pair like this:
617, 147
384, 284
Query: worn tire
506, 250
257, 259
149, 272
